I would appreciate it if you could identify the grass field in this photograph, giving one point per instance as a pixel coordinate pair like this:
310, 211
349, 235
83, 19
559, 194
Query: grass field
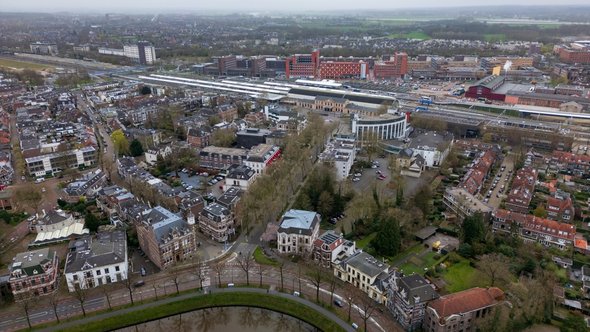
364, 242
13, 64
274, 303
419, 264
261, 258
494, 37
459, 276
411, 35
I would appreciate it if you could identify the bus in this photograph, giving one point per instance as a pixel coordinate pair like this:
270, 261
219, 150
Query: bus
425, 100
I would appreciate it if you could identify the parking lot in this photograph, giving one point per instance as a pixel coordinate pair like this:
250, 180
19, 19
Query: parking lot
498, 186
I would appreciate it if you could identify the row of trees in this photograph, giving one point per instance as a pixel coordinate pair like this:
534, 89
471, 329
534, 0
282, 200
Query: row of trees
265, 199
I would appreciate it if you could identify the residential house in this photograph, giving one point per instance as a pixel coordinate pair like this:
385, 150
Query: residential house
230, 197
366, 273
298, 229
261, 156
198, 137
560, 207
331, 248
217, 222
34, 274
85, 186
54, 220
165, 237
408, 299
432, 146
240, 176
530, 228
522, 190
458, 311
474, 179
96, 260
340, 154
221, 158
464, 204
151, 156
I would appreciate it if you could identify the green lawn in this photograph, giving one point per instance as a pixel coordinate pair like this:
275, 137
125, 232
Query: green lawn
411, 35
418, 264
459, 276
364, 242
261, 258
494, 37
271, 302
13, 64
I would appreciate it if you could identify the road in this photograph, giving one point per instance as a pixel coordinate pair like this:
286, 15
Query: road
163, 284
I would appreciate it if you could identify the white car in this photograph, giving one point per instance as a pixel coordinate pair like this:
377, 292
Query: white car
357, 174
356, 179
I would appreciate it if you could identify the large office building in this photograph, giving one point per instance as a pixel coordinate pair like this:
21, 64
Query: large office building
143, 52
382, 127
395, 67
44, 48
576, 52
303, 65
343, 70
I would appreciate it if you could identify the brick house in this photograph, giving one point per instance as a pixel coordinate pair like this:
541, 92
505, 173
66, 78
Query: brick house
458, 311
34, 274
522, 190
560, 207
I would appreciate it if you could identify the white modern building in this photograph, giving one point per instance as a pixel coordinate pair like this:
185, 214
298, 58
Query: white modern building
297, 232
142, 52
96, 261
387, 126
340, 153
56, 162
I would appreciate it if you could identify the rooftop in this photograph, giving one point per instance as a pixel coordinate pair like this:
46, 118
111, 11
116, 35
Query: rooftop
299, 220
367, 264
88, 252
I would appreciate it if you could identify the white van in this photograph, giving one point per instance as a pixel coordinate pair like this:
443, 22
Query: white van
296, 293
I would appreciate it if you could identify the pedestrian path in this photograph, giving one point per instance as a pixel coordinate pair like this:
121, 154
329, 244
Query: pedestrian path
161, 302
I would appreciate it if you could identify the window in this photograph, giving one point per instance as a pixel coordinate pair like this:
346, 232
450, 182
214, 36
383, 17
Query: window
117, 268
106, 270
98, 272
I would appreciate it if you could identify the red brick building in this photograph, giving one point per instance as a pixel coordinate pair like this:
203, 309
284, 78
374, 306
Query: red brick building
34, 274
522, 190
303, 65
569, 55
342, 70
392, 68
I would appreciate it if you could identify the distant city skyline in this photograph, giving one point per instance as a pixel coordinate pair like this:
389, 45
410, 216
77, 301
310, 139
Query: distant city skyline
130, 6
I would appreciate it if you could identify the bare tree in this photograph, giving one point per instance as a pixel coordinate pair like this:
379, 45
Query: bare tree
495, 267
245, 262
281, 267
366, 308
106, 291
26, 306
219, 268
155, 291
350, 292
332, 279
129, 285
80, 295
315, 275
174, 274
54, 302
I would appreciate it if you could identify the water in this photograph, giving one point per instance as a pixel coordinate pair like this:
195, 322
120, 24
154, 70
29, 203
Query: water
226, 319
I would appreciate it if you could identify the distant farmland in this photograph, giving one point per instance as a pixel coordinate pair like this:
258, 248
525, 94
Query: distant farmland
14, 64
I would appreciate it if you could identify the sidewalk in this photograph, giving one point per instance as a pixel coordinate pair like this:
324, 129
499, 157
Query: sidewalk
158, 303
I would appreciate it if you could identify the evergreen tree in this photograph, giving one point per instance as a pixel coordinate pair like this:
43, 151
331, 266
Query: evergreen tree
135, 148
388, 239
473, 229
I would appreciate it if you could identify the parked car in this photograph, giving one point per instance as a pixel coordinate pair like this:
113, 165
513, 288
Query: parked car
139, 283
338, 303
355, 179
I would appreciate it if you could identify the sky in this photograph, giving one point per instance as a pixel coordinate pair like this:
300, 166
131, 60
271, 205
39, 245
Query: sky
130, 6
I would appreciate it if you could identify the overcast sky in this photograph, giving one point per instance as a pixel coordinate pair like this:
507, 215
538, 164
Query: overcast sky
250, 5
